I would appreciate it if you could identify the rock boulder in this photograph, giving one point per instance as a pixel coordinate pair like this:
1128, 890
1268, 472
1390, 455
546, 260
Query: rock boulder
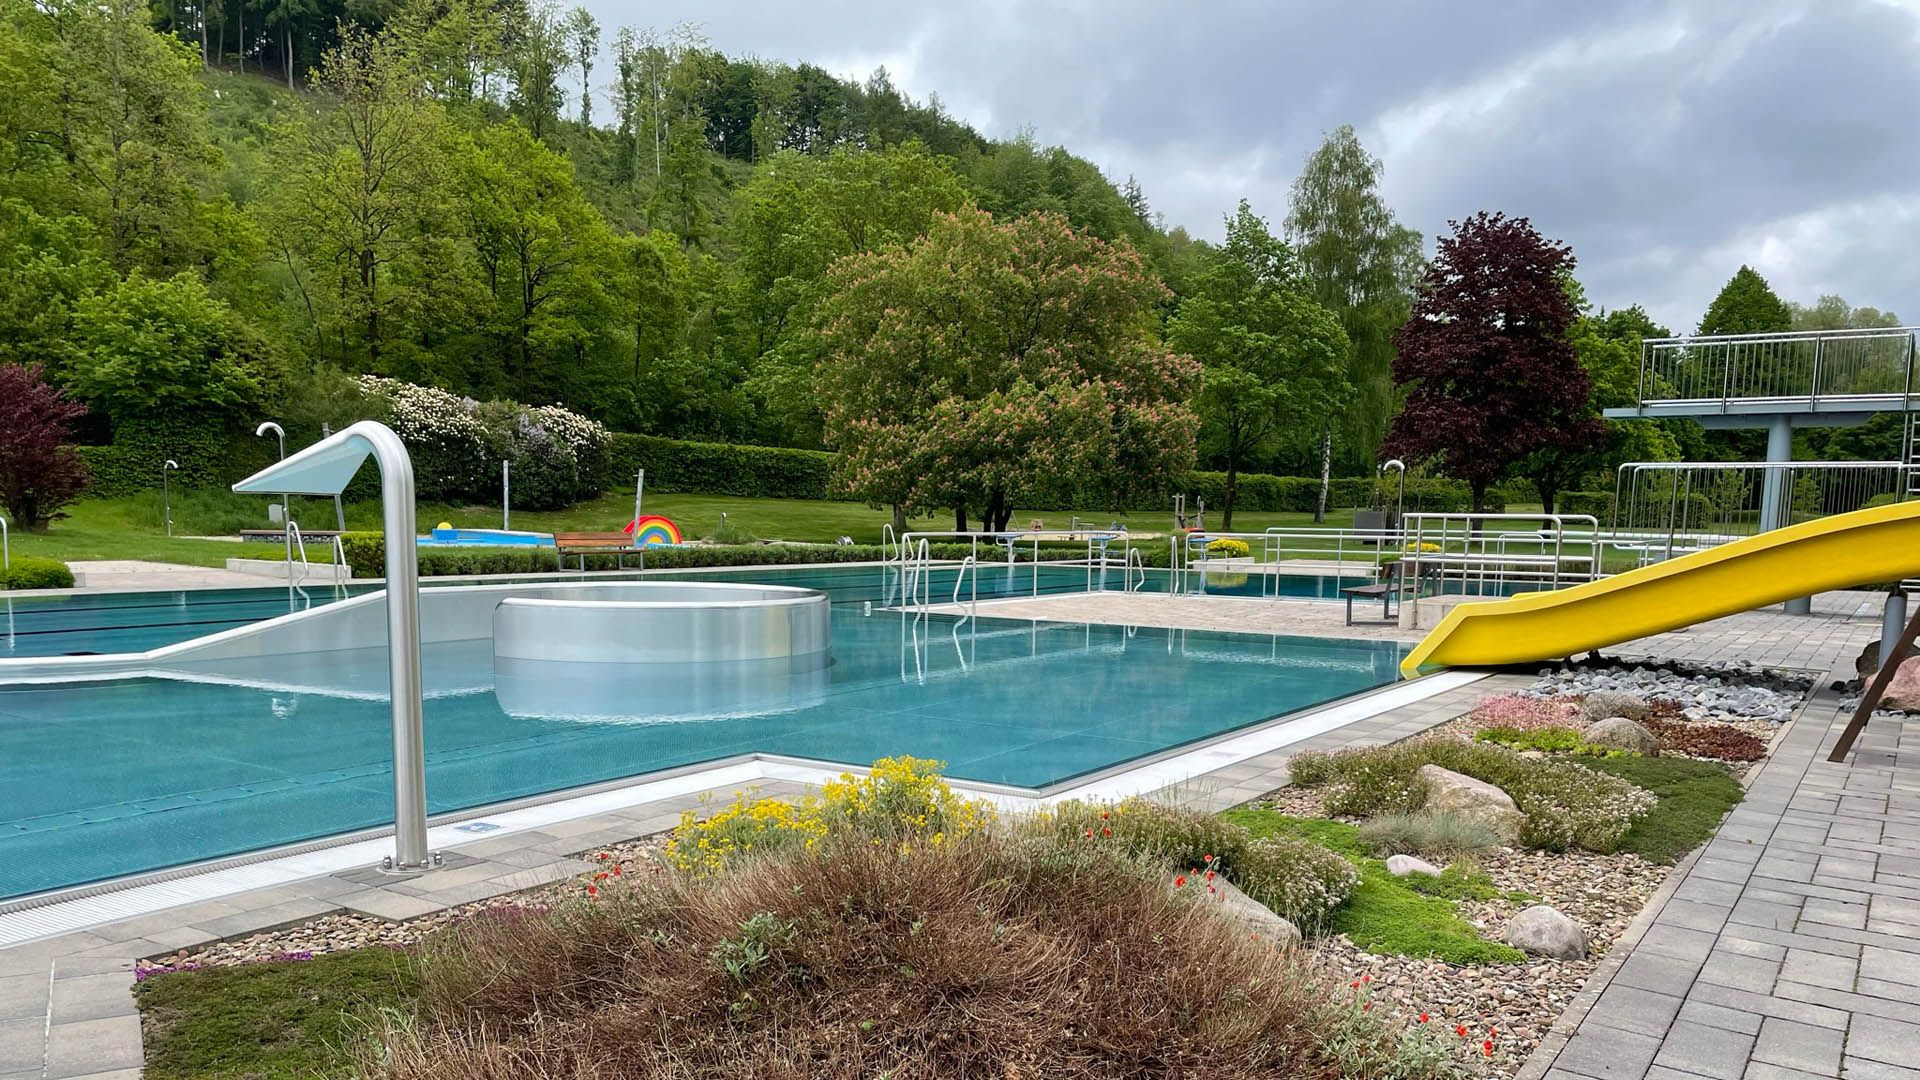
1402, 865
1620, 733
1542, 931
1602, 704
1474, 800
1903, 693
1221, 895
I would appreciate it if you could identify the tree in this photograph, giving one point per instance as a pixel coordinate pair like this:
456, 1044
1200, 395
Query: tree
168, 347
1486, 359
39, 470
1273, 359
789, 224
1607, 346
361, 181
1834, 313
1362, 264
583, 35
987, 363
537, 52
1746, 305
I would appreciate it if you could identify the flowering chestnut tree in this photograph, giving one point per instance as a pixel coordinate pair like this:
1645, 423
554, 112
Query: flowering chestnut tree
1487, 358
991, 362
40, 471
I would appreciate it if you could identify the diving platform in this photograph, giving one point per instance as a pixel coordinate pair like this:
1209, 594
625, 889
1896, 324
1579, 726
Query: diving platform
1824, 378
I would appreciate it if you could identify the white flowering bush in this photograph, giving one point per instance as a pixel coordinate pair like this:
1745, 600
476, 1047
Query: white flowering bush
1567, 805
457, 444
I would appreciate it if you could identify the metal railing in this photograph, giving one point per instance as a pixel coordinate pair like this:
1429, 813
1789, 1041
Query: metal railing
1667, 508
1460, 549
1803, 367
295, 540
969, 572
6, 546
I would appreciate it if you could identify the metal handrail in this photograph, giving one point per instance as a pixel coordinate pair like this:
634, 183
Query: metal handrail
1863, 364
1494, 557
1136, 560
6, 546
888, 541
294, 539
966, 565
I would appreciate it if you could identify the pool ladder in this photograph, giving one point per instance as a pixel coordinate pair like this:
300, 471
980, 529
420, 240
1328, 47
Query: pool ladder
336, 562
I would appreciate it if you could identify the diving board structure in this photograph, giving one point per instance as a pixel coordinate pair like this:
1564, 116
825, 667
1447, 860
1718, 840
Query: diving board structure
1779, 382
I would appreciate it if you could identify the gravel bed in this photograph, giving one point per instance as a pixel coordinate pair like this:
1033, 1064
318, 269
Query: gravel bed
342, 931
1740, 691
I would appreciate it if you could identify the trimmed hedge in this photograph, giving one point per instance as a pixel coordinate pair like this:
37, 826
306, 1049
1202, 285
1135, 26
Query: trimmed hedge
210, 454
35, 572
1597, 503
367, 553
755, 472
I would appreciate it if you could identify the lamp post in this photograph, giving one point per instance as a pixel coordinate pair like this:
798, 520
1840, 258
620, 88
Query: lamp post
166, 493
339, 512
286, 512
1400, 498
506, 495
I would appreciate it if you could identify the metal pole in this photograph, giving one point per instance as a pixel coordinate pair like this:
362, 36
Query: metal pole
506, 496
166, 493
1893, 618
6, 547
339, 512
639, 488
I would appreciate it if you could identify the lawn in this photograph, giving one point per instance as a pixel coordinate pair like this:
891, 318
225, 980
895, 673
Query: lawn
133, 527
270, 1020
1694, 796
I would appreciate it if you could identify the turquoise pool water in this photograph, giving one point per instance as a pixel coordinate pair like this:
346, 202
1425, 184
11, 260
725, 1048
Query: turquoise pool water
102, 779
85, 623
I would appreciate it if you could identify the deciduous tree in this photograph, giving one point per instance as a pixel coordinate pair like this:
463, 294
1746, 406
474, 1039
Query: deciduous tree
985, 363
1273, 359
1486, 358
39, 470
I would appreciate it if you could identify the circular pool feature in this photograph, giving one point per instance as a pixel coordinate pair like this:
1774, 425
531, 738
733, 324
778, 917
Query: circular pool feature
658, 693
663, 623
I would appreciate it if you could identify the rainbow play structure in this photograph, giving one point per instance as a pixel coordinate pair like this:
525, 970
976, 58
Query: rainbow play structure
1880, 544
652, 530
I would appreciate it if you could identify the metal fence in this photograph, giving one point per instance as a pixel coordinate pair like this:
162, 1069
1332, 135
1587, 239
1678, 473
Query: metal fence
1667, 508
1856, 365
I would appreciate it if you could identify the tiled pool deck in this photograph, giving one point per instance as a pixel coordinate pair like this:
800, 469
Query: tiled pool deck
1789, 947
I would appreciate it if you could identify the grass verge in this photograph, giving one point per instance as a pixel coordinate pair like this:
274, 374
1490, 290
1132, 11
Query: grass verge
1694, 796
1410, 916
271, 1020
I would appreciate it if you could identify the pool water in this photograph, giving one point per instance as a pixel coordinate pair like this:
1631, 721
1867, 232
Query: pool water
102, 779
84, 623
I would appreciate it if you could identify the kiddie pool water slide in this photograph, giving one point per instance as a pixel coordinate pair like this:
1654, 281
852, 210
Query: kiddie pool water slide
1880, 544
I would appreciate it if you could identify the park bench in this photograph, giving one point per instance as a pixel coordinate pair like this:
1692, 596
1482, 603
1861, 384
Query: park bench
591, 543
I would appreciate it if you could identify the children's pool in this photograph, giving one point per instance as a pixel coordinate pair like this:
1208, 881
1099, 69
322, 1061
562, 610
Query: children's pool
106, 778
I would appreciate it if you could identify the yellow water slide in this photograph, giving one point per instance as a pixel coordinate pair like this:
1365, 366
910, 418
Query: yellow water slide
1865, 547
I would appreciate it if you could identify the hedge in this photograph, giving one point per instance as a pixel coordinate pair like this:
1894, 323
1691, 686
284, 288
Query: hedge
35, 572
210, 454
367, 553
756, 472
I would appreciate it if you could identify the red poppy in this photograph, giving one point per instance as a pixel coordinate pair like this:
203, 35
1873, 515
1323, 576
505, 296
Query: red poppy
1366, 978
593, 890
1180, 882
1106, 832
1487, 1047
1423, 1018
1355, 985
1461, 1030
1209, 858
1089, 834
616, 869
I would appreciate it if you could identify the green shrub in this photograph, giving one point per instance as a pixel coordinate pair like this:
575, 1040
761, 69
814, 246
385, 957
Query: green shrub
1296, 879
1552, 740
210, 451
35, 572
757, 472
1566, 805
1441, 836
1597, 503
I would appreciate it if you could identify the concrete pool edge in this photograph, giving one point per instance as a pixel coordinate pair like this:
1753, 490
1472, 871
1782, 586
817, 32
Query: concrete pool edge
78, 907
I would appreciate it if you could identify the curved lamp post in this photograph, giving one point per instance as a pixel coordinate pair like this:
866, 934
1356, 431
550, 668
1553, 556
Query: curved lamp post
166, 493
286, 513
1400, 499
325, 469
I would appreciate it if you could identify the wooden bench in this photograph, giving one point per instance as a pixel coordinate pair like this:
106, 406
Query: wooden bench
591, 543
1383, 590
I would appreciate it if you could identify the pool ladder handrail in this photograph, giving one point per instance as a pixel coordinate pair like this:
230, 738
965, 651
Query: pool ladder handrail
969, 572
296, 541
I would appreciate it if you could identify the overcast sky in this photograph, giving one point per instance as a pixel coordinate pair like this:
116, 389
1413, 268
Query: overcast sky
1667, 142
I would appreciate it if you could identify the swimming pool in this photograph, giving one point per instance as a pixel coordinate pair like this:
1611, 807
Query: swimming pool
106, 778
84, 623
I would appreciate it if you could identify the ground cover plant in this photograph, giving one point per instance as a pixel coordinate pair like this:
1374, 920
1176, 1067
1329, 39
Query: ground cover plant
291, 1018
1409, 916
1692, 798
1566, 805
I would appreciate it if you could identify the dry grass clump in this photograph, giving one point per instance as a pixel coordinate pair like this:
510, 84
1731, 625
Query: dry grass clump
986, 957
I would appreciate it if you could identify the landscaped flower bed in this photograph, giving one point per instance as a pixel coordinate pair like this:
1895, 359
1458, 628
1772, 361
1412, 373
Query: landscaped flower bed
849, 929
